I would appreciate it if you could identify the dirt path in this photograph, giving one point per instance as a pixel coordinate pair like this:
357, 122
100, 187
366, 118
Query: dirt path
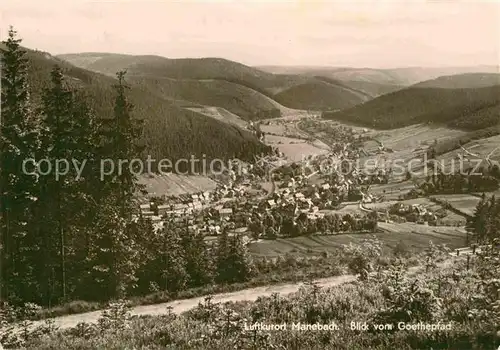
180, 306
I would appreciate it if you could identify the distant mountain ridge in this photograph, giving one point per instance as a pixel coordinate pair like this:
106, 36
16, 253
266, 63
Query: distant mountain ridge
275, 86
462, 81
460, 97
394, 76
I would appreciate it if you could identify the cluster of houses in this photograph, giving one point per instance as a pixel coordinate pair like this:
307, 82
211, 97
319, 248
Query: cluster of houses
255, 128
177, 206
414, 212
190, 207
209, 212
234, 203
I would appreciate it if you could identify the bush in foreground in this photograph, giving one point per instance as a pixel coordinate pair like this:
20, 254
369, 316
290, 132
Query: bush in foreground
467, 300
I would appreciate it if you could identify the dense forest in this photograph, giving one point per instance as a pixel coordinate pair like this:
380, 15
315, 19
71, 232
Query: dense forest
234, 97
319, 95
169, 131
77, 236
440, 183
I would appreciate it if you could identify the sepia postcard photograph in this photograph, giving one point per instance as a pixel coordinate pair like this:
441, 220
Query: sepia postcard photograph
250, 174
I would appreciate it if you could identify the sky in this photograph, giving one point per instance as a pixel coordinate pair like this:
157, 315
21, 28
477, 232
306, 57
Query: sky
378, 34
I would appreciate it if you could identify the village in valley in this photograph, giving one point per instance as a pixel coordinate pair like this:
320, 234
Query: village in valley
301, 175
345, 185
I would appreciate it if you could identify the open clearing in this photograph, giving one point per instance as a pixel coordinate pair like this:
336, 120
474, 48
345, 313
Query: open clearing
351, 208
464, 203
277, 129
221, 114
406, 143
294, 149
410, 137
450, 218
422, 201
416, 237
392, 191
174, 185
480, 147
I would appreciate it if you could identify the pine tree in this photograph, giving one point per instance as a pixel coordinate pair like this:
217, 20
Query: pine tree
493, 220
198, 260
57, 143
222, 253
88, 192
477, 223
68, 202
162, 262
18, 142
108, 253
115, 257
172, 261
233, 263
123, 135
62, 139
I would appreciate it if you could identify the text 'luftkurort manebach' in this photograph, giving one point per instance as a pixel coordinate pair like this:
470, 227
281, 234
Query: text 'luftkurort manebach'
355, 326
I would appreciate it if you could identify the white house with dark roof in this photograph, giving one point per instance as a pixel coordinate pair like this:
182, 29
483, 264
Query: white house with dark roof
145, 207
163, 209
147, 213
225, 212
299, 196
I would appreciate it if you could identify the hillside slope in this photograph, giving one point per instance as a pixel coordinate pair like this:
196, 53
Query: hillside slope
170, 131
392, 76
185, 68
334, 96
462, 81
467, 108
240, 100
373, 89
320, 95
379, 76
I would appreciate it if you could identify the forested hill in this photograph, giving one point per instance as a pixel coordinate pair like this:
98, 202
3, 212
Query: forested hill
462, 81
469, 109
170, 131
239, 88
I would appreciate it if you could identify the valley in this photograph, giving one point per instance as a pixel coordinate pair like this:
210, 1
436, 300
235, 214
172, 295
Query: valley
374, 184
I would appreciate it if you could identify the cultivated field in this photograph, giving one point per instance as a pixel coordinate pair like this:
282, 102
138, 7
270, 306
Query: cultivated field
346, 209
451, 217
277, 129
481, 147
464, 203
294, 149
409, 141
406, 143
356, 128
392, 191
221, 114
413, 136
415, 237
174, 185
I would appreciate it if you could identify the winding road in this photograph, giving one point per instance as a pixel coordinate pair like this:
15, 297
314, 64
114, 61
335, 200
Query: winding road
250, 294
